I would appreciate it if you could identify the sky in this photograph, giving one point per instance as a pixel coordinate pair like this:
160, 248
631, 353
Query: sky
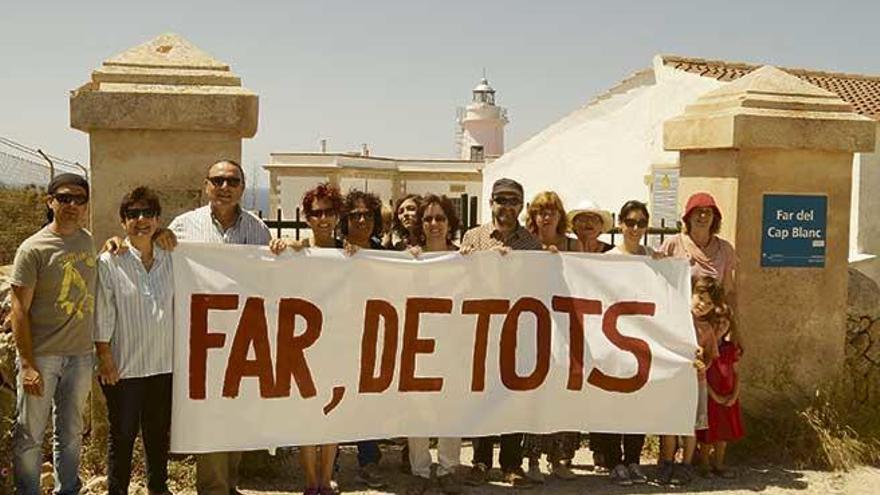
391, 73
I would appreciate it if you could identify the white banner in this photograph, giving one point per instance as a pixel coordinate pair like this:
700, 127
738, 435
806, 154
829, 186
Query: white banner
316, 347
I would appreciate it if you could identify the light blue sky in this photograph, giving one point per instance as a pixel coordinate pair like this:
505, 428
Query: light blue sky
391, 73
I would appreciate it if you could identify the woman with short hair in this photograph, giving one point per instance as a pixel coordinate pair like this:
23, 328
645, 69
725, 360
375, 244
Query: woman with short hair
322, 207
134, 339
624, 463
546, 219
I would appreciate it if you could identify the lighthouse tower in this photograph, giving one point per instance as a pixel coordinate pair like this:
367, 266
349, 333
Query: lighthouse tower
481, 124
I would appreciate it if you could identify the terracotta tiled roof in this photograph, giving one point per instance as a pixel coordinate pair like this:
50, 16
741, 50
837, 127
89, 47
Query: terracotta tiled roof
860, 91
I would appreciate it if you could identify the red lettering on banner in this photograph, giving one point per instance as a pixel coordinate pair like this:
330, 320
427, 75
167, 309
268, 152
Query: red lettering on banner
637, 347
507, 358
576, 308
201, 339
413, 345
252, 331
484, 309
291, 359
371, 383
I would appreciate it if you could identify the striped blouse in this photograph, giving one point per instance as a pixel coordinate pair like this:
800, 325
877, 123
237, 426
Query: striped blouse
135, 312
199, 225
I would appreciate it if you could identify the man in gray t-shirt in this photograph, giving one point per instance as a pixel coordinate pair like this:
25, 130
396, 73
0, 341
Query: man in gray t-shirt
53, 301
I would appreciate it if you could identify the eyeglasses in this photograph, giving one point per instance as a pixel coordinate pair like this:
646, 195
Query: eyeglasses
506, 200
71, 199
547, 212
632, 222
323, 213
435, 218
360, 215
137, 213
219, 181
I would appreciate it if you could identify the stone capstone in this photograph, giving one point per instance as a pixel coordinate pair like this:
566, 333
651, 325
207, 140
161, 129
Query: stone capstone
164, 84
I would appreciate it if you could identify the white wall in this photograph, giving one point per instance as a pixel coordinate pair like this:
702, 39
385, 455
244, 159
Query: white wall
291, 190
864, 234
603, 151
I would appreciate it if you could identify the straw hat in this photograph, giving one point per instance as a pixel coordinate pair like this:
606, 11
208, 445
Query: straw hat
587, 206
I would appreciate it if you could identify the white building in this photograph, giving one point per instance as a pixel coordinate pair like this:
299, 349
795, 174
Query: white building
480, 137
611, 149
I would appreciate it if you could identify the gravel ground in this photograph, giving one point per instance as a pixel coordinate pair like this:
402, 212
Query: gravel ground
750, 479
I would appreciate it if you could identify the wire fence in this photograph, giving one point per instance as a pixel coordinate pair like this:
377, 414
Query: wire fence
24, 174
22, 165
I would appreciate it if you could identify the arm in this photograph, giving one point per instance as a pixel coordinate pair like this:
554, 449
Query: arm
105, 326
32, 380
735, 395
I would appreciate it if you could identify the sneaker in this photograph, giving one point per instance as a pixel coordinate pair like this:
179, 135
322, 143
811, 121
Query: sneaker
327, 490
636, 475
563, 472
517, 479
620, 475
421, 486
478, 475
534, 473
312, 490
449, 484
370, 476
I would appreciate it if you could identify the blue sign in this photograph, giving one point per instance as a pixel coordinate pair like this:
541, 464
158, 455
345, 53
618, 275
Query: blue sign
794, 230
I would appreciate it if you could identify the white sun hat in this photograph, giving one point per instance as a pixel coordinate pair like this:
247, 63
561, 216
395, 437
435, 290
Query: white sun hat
588, 206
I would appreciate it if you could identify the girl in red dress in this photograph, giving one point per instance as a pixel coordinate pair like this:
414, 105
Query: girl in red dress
725, 420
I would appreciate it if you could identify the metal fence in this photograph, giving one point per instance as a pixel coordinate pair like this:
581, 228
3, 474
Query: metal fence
467, 206
22, 165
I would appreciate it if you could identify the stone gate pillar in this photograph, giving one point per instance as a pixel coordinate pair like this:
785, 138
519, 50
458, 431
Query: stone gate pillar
777, 152
158, 115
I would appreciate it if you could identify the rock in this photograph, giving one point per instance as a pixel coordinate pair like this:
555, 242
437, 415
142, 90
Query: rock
863, 336
96, 486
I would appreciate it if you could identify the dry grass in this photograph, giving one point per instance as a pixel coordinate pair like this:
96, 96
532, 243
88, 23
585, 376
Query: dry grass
23, 212
830, 430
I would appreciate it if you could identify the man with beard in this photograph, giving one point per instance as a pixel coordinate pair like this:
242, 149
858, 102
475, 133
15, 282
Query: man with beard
53, 299
502, 234
223, 221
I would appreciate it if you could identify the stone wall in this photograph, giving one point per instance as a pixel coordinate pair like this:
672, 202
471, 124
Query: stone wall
863, 336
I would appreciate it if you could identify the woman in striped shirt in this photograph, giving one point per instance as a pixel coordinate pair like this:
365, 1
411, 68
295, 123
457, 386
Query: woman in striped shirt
133, 339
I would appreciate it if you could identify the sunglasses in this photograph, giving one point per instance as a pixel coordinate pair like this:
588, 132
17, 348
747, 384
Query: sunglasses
137, 213
360, 215
219, 181
323, 213
506, 201
632, 222
434, 218
71, 199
